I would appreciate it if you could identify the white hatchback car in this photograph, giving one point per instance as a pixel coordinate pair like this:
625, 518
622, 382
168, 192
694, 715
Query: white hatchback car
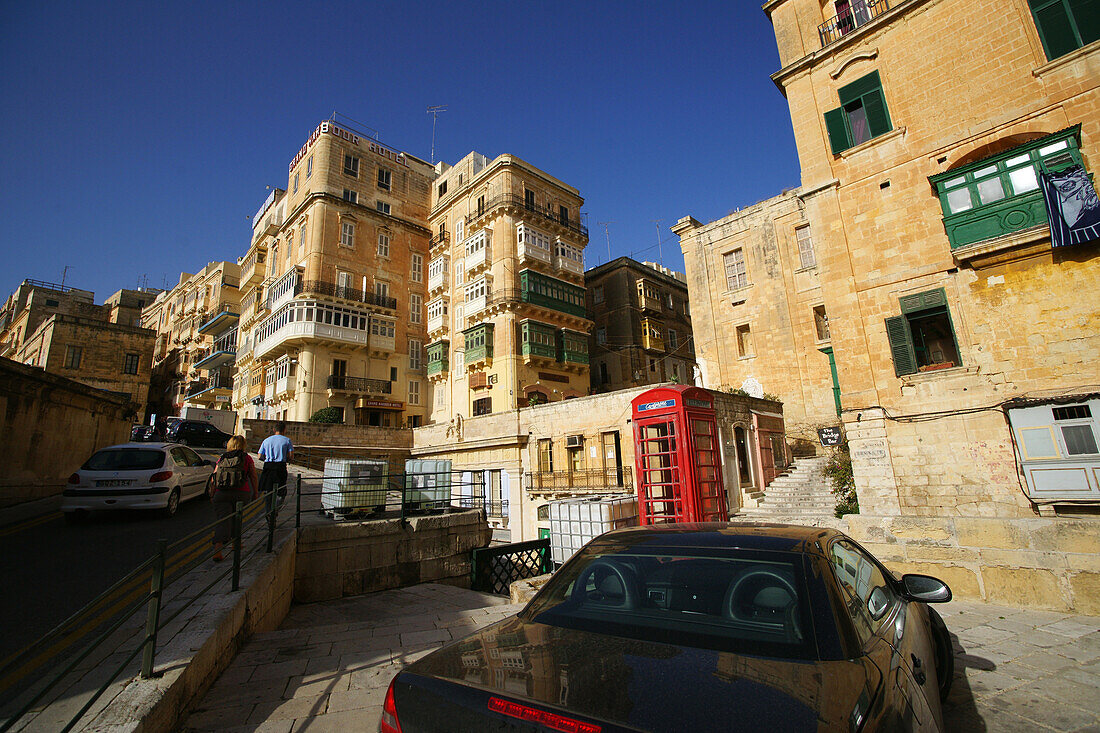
136, 476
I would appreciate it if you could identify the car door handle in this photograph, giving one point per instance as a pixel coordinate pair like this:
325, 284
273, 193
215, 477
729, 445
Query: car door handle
918, 673
916, 661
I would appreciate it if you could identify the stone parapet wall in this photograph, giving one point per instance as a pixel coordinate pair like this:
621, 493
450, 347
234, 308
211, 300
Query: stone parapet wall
351, 558
1033, 562
312, 433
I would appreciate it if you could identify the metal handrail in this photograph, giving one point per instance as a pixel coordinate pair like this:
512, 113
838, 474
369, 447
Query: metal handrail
859, 13
331, 289
359, 384
593, 478
513, 200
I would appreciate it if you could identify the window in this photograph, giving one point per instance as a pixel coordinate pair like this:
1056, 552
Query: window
736, 275
546, 455
1075, 424
597, 294
652, 364
922, 338
460, 229
351, 166
130, 364
821, 323
415, 314
385, 179
529, 199
805, 246
480, 205
483, 406
862, 114
347, 234
295, 183
414, 392
1065, 25
72, 357
744, 341
563, 215
416, 274
673, 338
1001, 194
863, 582
351, 196
381, 289
382, 206
383, 245
601, 335
416, 354
309, 167
442, 189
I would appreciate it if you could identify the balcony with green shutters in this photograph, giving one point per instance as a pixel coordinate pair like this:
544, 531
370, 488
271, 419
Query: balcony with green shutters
479, 345
437, 359
538, 341
574, 349
548, 292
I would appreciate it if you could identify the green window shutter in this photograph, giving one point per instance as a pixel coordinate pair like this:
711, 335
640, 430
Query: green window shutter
1086, 16
901, 345
878, 117
923, 301
860, 87
838, 130
1055, 27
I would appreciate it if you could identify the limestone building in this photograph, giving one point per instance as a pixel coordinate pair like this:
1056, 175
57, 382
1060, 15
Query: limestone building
642, 325
505, 309
933, 172
333, 287
62, 331
757, 296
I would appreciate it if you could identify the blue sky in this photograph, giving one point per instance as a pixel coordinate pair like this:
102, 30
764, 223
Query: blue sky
137, 138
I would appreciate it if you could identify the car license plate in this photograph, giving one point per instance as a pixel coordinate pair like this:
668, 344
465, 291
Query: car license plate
114, 482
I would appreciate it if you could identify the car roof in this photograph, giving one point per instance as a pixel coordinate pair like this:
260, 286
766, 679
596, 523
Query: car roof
155, 446
744, 535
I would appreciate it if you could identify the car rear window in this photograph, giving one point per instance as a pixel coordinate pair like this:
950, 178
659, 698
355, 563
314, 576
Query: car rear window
125, 459
753, 603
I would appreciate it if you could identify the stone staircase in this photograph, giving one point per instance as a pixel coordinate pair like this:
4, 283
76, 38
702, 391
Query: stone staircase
802, 491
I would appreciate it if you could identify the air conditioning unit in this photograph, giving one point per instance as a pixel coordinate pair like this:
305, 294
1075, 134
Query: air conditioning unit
574, 441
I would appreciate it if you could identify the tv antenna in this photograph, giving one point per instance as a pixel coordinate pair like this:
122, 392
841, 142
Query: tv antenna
63, 274
660, 257
607, 233
434, 112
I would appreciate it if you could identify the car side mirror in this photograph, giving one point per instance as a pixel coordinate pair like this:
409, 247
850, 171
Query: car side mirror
925, 588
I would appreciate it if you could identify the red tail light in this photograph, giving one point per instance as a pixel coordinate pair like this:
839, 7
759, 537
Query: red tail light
542, 717
74, 479
389, 723
160, 476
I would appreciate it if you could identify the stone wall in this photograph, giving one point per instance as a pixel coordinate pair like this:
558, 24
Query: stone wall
389, 444
49, 425
351, 558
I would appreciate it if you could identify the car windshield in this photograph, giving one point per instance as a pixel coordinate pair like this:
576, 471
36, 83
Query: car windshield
125, 459
746, 602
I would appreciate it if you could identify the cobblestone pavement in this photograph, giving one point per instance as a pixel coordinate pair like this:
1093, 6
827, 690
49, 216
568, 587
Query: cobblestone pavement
328, 667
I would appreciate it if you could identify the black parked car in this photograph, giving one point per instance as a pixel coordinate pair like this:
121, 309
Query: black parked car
197, 433
145, 434
698, 627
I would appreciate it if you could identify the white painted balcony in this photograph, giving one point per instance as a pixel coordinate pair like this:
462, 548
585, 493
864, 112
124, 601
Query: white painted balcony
437, 324
479, 251
296, 331
531, 244
438, 272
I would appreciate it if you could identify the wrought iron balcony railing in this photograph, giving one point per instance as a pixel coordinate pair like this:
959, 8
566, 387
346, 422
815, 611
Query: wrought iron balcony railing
610, 479
853, 15
323, 287
543, 212
359, 384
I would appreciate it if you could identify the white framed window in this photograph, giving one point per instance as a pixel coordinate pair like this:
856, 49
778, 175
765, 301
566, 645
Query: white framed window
415, 303
460, 275
382, 206
437, 308
383, 327
347, 234
734, 265
414, 392
673, 338
383, 245
477, 242
295, 183
351, 196
477, 289
437, 267
385, 179
805, 246
416, 353
416, 273
460, 229
309, 167
351, 166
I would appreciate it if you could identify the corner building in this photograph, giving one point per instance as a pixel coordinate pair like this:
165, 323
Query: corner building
505, 309
923, 152
333, 286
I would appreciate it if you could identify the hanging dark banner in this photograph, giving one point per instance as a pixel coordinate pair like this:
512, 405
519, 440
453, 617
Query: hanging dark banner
1072, 207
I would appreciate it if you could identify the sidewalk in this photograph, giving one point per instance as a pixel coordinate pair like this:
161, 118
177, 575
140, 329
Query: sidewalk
328, 667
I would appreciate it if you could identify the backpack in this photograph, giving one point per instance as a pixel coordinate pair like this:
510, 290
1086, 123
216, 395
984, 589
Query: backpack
231, 472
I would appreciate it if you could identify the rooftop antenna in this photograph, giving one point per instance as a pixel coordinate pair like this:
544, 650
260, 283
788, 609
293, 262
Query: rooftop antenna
434, 112
607, 234
63, 274
660, 257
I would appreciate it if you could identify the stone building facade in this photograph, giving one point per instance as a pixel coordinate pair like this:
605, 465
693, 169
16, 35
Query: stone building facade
642, 325
922, 168
505, 310
334, 287
757, 296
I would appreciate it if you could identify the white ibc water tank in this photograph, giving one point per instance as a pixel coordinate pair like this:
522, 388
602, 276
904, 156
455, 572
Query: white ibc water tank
573, 522
354, 484
428, 484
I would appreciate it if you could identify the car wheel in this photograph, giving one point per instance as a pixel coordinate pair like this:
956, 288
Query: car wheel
173, 503
944, 653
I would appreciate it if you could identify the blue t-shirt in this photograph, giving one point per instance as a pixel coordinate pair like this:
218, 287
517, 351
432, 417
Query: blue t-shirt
275, 448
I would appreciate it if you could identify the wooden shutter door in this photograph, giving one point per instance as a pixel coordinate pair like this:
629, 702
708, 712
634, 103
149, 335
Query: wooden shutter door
901, 345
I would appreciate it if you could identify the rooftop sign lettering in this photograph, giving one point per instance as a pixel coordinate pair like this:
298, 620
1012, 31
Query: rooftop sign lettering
333, 129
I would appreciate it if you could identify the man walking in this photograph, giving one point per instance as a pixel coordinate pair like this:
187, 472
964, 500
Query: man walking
275, 451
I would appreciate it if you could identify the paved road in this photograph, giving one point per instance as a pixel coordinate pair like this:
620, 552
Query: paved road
49, 570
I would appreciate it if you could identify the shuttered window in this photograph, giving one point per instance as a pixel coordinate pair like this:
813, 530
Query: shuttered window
922, 338
861, 116
1065, 25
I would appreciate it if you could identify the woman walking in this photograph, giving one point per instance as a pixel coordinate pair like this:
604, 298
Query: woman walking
234, 480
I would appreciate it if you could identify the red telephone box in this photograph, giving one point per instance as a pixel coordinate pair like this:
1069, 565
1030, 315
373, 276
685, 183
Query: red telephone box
676, 458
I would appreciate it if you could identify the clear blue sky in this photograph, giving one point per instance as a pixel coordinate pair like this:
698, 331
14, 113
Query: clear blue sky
137, 138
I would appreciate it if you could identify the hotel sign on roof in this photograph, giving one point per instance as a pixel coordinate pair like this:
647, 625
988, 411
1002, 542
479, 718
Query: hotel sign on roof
332, 128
